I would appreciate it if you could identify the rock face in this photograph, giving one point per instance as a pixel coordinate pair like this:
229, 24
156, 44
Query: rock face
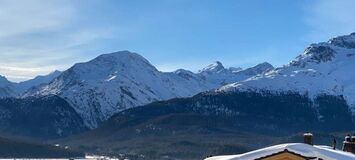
323, 68
39, 117
114, 82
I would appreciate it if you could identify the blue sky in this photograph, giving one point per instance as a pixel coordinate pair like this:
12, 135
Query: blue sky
39, 36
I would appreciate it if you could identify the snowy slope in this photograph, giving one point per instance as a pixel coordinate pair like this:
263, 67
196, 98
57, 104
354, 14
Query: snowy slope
25, 85
113, 82
6, 88
12, 89
323, 68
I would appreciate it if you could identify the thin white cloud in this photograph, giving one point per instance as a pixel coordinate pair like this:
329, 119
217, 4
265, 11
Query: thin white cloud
329, 18
20, 44
39, 36
32, 15
20, 74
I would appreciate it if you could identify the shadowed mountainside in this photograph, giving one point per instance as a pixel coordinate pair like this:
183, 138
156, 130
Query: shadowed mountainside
210, 124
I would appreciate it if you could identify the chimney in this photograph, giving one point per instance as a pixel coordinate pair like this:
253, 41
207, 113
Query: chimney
308, 138
349, 144
348, 138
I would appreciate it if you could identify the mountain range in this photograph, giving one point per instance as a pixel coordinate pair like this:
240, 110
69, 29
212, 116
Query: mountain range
313, 93
127, 104
323, 68
117, 81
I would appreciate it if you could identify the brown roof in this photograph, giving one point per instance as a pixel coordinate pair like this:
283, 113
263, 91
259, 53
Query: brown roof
299, 156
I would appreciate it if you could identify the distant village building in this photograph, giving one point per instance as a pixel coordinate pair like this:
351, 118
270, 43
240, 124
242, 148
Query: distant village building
298, 151
349, 144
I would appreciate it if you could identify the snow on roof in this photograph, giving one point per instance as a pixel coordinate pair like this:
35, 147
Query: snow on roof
323, 152
308, 134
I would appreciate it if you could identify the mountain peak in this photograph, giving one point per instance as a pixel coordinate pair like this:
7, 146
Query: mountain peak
182, 71
55, 72
2, 77
235, 69
125, 58
259, 69
346, 41
325, 51
264, 65
50, 75
4, 81
217, 66
121, 55
6, 87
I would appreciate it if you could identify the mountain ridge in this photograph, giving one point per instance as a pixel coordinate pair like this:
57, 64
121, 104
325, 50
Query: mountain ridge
114, 82
6, 87
13, 89
296, 98
323, 68
21, 87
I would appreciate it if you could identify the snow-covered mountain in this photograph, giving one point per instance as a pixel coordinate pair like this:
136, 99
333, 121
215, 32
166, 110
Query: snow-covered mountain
6, 88
113, 82
217, 75
12, 89
323, 68
282, 101
25, 85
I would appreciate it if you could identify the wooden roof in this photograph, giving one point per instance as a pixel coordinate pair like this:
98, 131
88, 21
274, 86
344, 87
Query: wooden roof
285, 155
